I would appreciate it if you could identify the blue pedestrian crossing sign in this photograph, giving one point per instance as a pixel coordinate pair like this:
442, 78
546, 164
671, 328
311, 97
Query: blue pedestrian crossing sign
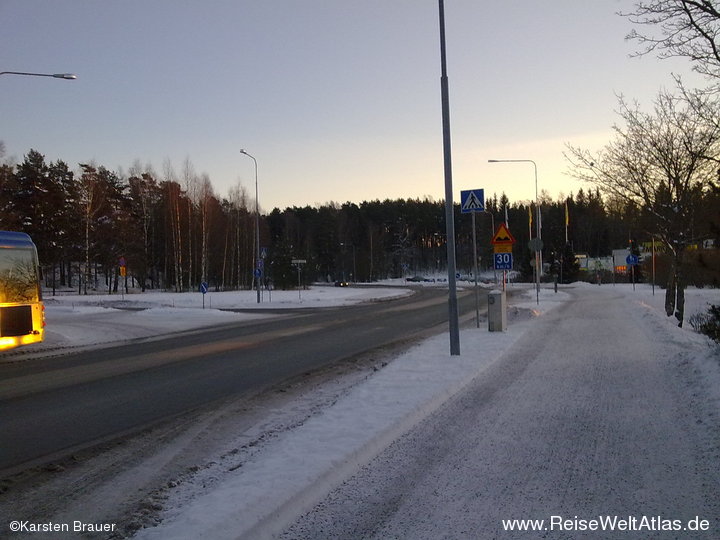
472, 200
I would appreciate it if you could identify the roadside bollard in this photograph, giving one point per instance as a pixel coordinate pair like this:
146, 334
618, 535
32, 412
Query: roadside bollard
497, 311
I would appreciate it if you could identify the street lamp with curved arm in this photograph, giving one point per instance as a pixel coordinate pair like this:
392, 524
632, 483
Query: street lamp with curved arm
68, 76
257, 227
538, 256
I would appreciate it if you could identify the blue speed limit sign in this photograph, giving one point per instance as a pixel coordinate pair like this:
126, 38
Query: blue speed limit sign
503, 261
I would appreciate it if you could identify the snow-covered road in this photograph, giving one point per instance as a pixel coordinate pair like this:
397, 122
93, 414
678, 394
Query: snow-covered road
596, 411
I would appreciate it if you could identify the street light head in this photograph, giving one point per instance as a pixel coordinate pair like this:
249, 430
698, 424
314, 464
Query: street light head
244, 152
55, 75
492, 160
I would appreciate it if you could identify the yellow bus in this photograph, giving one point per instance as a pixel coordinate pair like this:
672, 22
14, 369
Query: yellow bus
22, 313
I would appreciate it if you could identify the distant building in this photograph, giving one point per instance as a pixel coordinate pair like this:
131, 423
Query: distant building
582, 260
619, 257
598, 264
616, 263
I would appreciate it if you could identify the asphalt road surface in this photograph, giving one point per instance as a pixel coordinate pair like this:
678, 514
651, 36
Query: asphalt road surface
57, 405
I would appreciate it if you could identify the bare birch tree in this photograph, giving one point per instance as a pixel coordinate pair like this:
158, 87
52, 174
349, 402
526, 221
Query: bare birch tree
238, 198
173, 205
663, 162
192, 191
89, 197
206, 194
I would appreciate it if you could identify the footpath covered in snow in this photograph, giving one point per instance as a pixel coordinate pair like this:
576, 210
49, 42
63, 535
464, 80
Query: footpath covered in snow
601, 407
601, 421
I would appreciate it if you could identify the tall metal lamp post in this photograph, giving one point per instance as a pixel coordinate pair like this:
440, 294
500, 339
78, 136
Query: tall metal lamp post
69, 76
453, 317
257, 272
538, 257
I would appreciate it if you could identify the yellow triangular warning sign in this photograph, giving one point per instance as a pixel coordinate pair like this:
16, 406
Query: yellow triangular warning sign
503, 236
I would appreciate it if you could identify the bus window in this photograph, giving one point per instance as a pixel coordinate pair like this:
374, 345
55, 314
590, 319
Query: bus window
18, 276
22, 314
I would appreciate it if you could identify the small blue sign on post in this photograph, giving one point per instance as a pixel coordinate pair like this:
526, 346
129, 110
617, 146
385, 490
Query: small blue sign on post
472, 200
632, 260
503, 261
204, 290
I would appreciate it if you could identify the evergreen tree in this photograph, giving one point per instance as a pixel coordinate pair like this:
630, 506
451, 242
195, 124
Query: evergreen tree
569, 265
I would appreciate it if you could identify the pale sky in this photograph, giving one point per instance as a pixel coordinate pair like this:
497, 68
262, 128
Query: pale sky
338, 100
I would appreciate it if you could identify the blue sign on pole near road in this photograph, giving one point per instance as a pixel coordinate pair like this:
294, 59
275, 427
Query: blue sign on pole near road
503, 261
472, 200
203, 287
632, 260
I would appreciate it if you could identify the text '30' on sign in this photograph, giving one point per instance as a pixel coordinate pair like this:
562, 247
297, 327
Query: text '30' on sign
503, 261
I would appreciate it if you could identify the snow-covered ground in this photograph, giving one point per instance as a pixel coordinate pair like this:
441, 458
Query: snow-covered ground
255, 484
255, 496
602, 414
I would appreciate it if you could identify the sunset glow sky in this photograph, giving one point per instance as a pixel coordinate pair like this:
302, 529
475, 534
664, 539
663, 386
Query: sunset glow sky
338, 100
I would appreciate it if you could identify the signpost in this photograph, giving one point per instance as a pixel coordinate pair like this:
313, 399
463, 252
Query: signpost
536, 244
123, 273
632, 261
502, 243
299, 263
471, 202
203, 289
